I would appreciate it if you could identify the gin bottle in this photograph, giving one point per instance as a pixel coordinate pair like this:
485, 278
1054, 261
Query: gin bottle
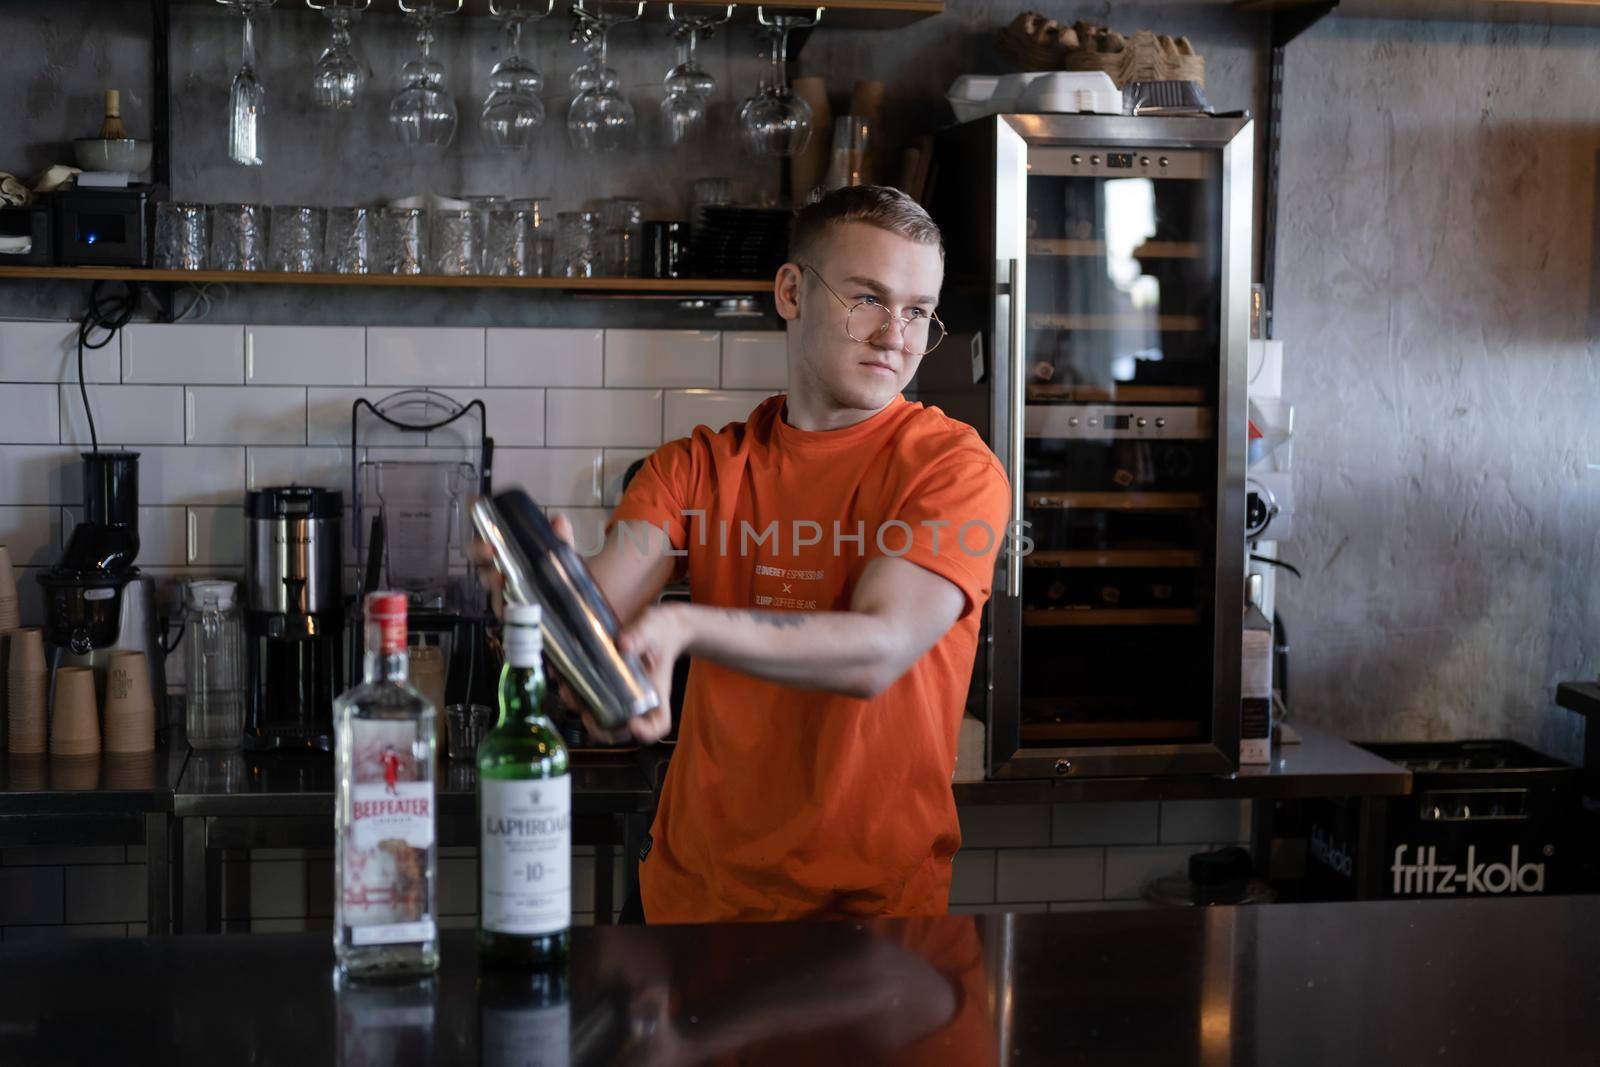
384, 855
525, 814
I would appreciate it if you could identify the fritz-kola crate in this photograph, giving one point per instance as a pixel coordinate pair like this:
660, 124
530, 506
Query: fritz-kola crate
1484, 819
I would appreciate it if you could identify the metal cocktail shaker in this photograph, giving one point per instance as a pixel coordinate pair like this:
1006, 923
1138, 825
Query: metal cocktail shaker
580, 629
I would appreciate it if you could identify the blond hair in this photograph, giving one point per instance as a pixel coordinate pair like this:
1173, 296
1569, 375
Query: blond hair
876, 205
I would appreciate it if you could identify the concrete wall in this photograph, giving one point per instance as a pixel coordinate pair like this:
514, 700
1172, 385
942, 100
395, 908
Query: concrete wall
1437, 298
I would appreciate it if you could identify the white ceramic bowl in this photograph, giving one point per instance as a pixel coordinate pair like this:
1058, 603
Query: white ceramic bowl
124, 155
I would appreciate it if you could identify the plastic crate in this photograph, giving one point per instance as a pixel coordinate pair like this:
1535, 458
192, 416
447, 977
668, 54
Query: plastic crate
1484, 819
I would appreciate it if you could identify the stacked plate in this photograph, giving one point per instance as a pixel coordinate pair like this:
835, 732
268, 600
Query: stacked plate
740, 242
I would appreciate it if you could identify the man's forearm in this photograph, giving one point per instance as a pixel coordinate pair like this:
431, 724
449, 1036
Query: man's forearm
848, 652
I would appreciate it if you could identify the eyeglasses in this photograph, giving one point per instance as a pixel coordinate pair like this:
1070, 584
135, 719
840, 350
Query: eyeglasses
869, 320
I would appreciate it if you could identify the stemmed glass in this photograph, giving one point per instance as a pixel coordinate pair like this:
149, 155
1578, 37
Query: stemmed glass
689, 85
513, 111
247, 97
776, 121
339, 75
600, 118
423, 111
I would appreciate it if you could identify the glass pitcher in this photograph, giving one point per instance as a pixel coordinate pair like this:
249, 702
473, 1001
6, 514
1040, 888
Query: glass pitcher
213, 665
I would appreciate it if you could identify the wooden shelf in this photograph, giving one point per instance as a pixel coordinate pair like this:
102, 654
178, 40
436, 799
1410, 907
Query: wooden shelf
1117, 501
1116, 394
1130, 730
1060, 246
1567, 12
688, 286
857, 14
1111, 617
1130, 321
1115, 557
1056, 246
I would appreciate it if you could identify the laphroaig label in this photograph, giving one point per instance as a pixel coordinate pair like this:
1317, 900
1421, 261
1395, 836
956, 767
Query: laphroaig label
526, 844
1425, 874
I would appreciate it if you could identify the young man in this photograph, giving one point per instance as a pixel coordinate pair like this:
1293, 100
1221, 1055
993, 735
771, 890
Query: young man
839, 546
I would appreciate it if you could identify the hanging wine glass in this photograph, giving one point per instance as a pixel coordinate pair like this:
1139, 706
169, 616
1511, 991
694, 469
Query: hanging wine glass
340, 73
600, 118
247, 97
689, 85
423, 112
512, 111
775, 121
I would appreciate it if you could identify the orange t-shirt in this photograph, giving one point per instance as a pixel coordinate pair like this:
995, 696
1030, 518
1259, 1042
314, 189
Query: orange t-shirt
785, 803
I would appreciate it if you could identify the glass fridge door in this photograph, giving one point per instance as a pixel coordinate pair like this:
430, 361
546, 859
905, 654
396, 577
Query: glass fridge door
1123, 343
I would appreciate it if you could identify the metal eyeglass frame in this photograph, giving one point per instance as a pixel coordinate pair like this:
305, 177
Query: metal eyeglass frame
944, 331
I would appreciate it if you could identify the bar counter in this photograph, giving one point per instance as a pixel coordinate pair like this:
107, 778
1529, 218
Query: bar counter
1481, 982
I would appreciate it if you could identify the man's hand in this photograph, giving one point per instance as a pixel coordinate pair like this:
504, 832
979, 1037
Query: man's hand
645, 729
658, 637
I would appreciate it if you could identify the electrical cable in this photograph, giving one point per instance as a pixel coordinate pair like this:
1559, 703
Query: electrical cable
1291, 568
110, 314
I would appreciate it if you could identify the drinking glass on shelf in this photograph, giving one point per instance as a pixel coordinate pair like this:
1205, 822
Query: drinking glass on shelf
403, 239
512, 112
296, 239
482, 207
423, 112
852, 136
180, 236
247, 97
689, 85
339, 74
776, 121
453, 241
506, 252
348, 247
541, 236
577, 237
620, 219
600, 118
708, 192
238, 237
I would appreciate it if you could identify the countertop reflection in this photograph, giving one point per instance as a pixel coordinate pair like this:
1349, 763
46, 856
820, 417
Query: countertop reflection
1462, 982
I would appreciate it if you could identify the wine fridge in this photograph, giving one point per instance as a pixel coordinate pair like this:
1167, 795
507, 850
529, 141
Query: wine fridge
1097, 288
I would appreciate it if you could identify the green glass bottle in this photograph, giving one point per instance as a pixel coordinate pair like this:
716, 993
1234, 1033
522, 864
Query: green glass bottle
524, 814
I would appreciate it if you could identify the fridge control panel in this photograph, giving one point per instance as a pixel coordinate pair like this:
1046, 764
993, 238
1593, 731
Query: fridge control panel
1120, 162
1100, 421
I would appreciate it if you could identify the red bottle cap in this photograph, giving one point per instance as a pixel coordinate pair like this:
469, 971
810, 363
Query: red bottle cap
388, 612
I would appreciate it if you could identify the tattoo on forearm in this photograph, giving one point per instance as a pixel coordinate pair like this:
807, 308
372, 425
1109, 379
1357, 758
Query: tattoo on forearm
779, 620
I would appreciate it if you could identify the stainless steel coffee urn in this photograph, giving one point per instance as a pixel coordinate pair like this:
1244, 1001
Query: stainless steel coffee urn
294, 617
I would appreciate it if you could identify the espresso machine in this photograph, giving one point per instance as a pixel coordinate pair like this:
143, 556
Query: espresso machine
294, 618
96, 601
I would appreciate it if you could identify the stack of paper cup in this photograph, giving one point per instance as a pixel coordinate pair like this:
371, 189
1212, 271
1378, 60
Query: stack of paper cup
130, 709
10, 613
26, 681
75, 719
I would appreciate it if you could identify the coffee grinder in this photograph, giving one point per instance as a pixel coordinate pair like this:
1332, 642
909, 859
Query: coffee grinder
96, 601
294, 618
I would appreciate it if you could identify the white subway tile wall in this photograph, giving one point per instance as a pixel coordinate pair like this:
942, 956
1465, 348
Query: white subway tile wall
621, 418
245, 415
755, 360
667, 358
31, 534
688, 408
559, 358
48, 352
163, 354
305, 355
408, 355
130, 415
29, 415
552, 476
